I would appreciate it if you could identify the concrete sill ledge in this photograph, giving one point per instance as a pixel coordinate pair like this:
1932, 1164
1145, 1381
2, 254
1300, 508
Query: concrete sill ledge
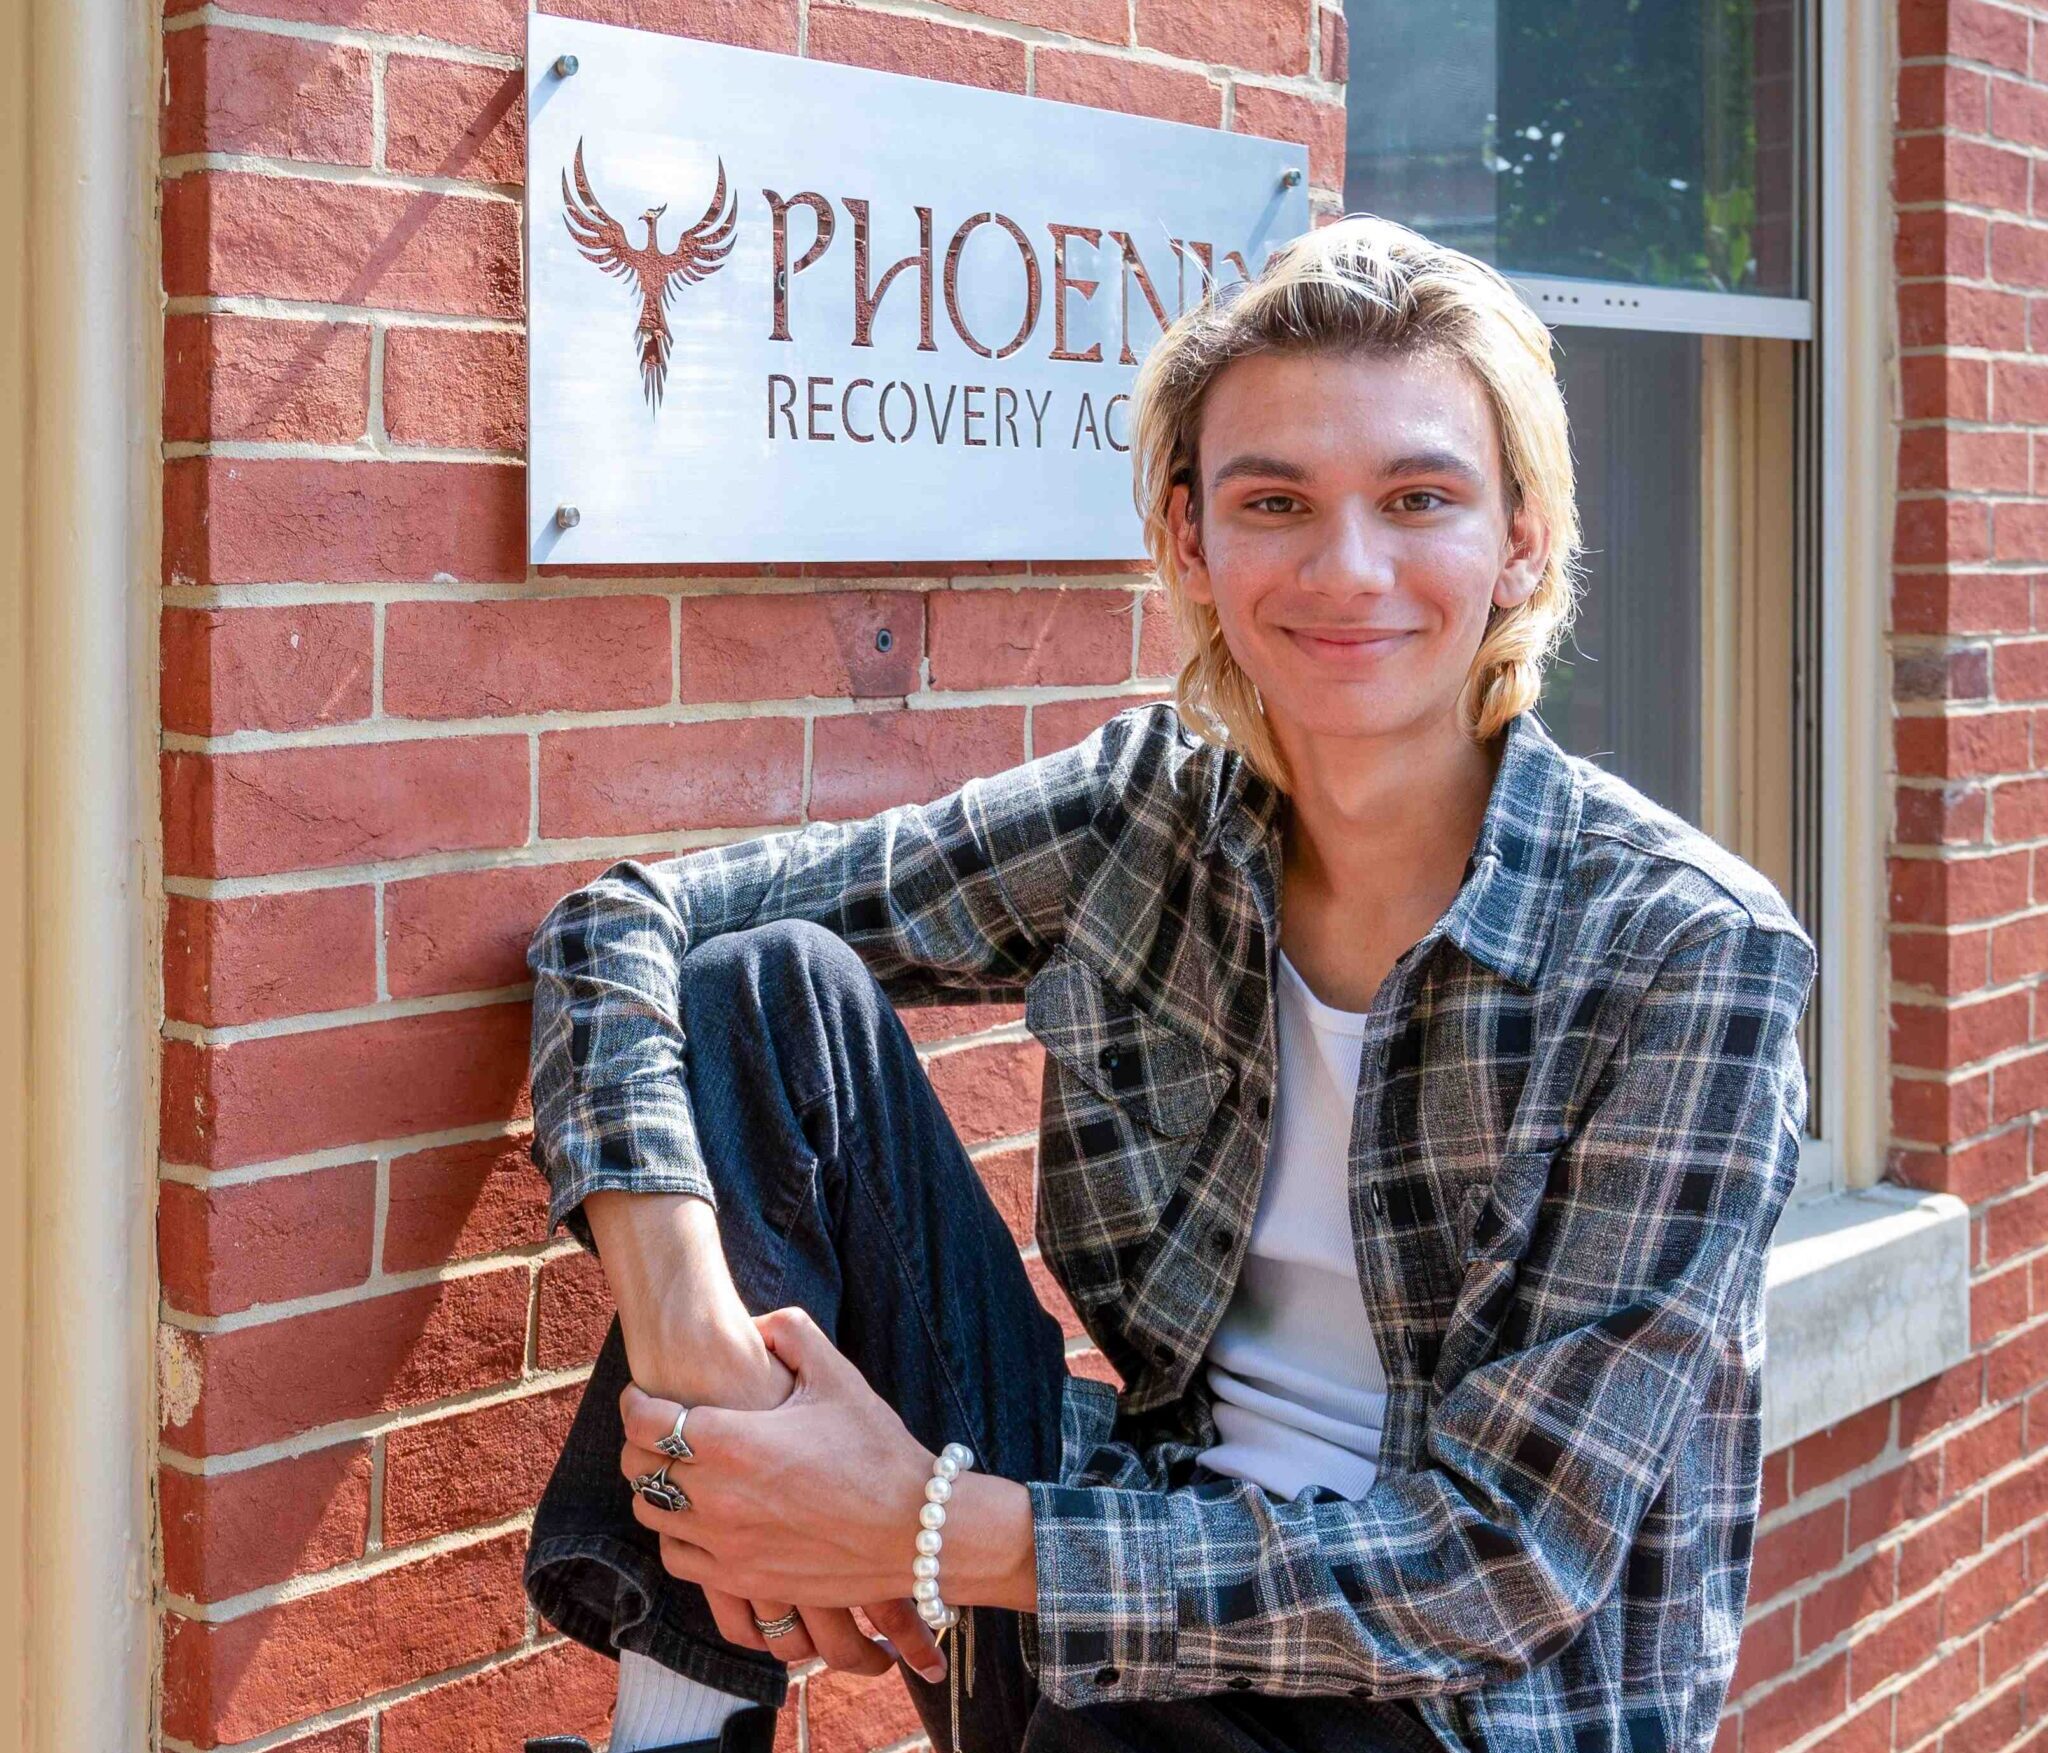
1867, 1293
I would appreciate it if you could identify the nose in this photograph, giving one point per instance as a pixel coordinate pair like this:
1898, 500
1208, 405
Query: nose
1352, 554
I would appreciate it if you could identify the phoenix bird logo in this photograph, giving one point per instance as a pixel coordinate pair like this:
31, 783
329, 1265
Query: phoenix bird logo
699, 252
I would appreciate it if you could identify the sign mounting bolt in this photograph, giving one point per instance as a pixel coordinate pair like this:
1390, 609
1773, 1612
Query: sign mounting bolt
1290, 178
565, 66
567, 517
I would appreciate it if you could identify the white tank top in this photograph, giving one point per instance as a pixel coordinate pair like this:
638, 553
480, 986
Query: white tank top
1300, 1395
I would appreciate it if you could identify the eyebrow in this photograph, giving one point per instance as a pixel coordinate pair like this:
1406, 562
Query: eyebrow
1420, 462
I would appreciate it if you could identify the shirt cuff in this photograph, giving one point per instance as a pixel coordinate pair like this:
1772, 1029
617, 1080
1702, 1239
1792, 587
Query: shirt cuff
621, 1139
1107, 1607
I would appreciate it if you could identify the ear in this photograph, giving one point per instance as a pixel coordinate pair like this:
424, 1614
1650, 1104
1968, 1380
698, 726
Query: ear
1187, 547
1525, 554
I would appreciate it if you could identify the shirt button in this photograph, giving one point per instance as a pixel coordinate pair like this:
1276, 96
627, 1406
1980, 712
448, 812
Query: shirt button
1265, 1107
1221, 1240
1379, 1201
1108, 1058
1162, 1352
1106, 1676
1240, 1683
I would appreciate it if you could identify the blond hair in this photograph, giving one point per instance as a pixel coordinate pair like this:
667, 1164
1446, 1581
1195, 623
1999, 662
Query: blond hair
1363, 284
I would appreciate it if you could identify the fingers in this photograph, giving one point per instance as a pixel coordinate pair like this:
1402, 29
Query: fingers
841, 1642
735, 1620
898, 1621
792, 1646
648, 1419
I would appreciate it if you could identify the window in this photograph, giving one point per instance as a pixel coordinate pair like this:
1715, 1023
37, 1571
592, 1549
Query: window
1641, 174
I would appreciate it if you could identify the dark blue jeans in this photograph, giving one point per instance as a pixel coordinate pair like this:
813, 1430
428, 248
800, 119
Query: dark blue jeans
843, 1187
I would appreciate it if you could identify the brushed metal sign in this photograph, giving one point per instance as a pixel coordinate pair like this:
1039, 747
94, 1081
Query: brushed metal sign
786, 310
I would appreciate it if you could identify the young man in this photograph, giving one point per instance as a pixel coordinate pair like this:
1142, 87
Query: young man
1419, 1104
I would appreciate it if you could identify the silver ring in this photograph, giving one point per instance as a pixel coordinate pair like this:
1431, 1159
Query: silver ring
658, 1490
775, 1627
674, 1444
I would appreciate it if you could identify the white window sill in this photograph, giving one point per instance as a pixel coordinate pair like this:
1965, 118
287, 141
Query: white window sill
1867, 1293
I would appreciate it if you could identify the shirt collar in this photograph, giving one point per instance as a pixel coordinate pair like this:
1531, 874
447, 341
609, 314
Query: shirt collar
1504, 913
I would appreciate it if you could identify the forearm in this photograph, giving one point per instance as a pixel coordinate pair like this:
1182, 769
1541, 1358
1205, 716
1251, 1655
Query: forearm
688, 1335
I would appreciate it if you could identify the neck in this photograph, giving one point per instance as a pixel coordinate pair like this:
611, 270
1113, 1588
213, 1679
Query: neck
1383, 817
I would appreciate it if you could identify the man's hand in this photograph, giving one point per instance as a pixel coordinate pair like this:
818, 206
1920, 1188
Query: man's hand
829, 1632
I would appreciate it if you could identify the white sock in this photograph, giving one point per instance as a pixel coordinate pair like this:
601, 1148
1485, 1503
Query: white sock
658, 1707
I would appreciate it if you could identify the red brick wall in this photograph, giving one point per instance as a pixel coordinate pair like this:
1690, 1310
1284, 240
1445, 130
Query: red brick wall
387, 748
1898, 1595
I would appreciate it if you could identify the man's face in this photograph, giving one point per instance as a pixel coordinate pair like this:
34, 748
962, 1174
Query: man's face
1352, 536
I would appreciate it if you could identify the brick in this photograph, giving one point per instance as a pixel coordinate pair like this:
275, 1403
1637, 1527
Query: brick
1796, 1550
459, 389
1940, 1545
1929, 1700
1940, 456
2019, 1637
1102, 21
222, 1249
865, 762
1966, 29
1842, 1448
2018, 1225
461, 1201
1060, 724
1767, 1649
1943, 96
1794, 1708
2017, 1365
1930, 244
1949, 891
1892, 1500
1941, 387
242, 520
342, 1738
574, 1312
990, 1092
1868, 1731
254, 957
896, 43
235, 1680
1992, 1724
1971, 1172
252, 92
252, 1385
231, 1532
750, 24
1840, 1603
1949, 1036
563, 1690
1940, 1401
478, 24
1999, 1302
1258, 36
265, 380
1334, 40
1032, 637
1941, 961
228, 234
547, 654
1943, 1113
434, 1486
1945, 314
649, 778
287, 668
788, 647
1010, 1177
1896, 1646
1983, 1591
271, 1097
1138, 88
1959, 602
311, 808
468, 931
1299, 120
454, 119
1962, 746
1776, 1490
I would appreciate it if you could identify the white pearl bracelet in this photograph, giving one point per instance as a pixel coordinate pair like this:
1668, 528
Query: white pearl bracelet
947, 1466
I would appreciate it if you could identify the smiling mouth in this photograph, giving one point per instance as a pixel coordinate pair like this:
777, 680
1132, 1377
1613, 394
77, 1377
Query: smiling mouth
1341, 637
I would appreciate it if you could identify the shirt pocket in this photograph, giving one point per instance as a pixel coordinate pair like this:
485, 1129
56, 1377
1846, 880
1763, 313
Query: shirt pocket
1127, 1100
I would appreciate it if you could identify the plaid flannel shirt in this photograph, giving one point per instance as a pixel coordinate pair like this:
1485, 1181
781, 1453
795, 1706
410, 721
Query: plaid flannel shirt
1579, 1118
